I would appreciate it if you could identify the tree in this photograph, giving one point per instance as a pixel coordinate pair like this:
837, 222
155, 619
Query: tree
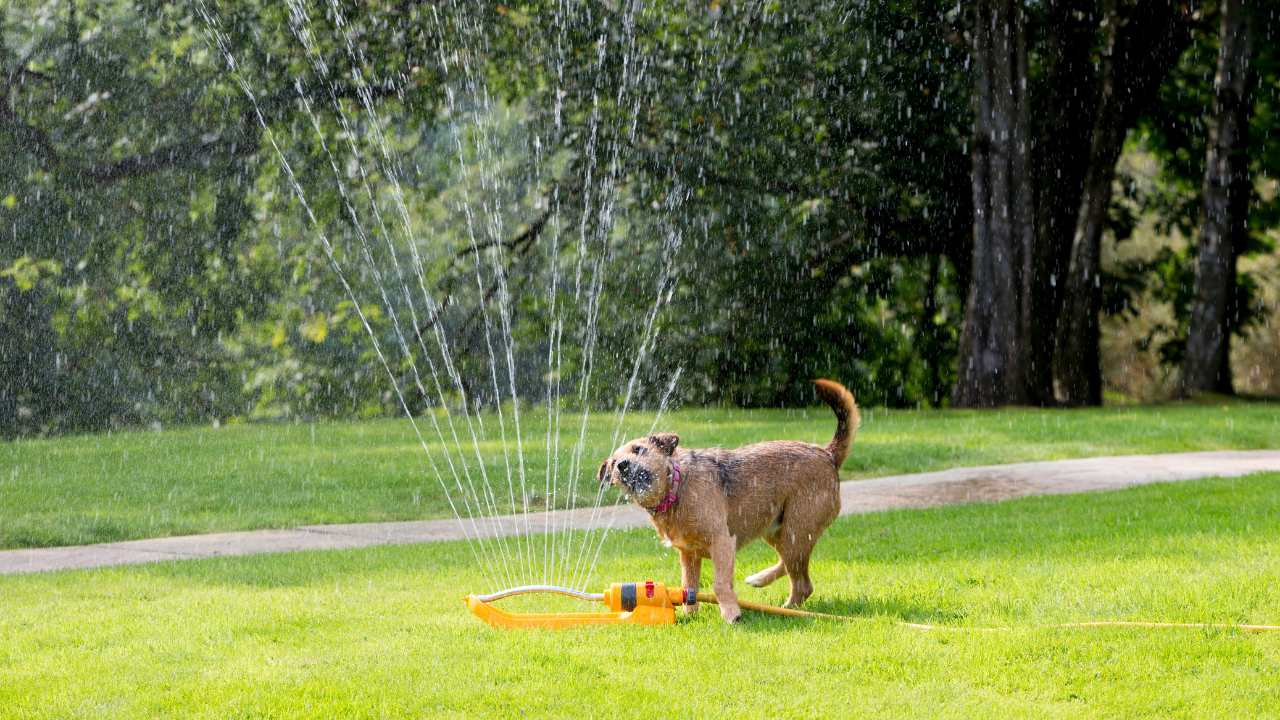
1144, 39
131, 179
1178, 131
1090, 71
1224, 221
841, 177
994, 347
1066, 39
826, 171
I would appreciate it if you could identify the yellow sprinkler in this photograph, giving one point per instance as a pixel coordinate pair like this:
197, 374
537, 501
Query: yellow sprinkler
644, 603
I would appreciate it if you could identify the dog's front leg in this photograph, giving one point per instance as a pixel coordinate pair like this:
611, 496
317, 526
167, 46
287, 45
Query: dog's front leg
690, 574
722, 554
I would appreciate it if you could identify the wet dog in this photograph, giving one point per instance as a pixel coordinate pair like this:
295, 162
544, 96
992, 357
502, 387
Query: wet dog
708, 503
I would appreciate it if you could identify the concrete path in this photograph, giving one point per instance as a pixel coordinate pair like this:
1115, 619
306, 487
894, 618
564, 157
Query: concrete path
992, 483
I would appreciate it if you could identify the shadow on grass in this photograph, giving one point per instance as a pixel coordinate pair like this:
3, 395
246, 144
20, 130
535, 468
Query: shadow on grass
860, 608
867, 607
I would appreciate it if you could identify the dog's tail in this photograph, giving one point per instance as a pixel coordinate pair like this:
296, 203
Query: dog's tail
847, 418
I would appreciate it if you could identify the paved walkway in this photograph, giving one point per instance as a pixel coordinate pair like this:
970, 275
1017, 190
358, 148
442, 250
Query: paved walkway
992, 483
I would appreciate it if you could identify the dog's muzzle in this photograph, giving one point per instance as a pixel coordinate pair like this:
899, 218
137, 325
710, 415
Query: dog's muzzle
636, 478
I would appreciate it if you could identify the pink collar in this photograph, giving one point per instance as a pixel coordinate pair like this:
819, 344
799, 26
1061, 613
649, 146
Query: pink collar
673, 491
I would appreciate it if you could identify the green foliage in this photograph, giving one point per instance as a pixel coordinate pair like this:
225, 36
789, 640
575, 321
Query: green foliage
786, 184
26, 272
1169, 277
812, 159
138, 170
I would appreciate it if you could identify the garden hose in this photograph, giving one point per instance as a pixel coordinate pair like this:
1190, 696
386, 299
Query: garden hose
1101, 623
775, 610
794, 612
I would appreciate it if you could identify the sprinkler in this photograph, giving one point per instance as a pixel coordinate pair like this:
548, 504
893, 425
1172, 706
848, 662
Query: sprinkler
646, 603
635, 603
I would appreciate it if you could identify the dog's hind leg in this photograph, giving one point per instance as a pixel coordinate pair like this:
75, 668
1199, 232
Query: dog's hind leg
797, 562
800, 531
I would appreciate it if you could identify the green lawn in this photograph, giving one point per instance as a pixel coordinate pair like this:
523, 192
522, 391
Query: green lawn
382, 632
100, 488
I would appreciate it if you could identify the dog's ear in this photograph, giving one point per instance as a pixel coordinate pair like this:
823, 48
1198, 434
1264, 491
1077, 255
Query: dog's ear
665, 442
604, 469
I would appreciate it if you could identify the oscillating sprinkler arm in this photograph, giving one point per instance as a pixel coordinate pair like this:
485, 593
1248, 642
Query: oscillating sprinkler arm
642, 603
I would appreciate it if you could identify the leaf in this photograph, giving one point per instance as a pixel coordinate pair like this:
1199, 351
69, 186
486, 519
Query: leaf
315, 328
26, 271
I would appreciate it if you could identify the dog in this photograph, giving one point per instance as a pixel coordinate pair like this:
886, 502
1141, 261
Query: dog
709, 503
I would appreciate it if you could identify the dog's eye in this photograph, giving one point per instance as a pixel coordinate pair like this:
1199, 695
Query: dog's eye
639, 450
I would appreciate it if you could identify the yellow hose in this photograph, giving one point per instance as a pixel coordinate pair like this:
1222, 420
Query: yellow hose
775, 610
793, 612
1105, 623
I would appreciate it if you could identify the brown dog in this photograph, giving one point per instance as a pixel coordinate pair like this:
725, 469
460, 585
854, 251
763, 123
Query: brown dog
709, 503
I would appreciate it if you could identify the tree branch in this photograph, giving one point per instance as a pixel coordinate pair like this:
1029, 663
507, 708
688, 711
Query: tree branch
514, 244
167, 158
519, 245
175, 155
21, 67
33, 135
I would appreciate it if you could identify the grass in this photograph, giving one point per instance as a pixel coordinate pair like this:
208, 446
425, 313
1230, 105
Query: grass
130, 485
381, 632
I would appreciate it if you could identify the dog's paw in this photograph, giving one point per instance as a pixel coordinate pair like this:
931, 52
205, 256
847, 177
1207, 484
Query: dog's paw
730, 614
689, 609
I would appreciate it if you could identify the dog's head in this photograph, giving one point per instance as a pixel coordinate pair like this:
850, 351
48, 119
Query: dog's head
641, 467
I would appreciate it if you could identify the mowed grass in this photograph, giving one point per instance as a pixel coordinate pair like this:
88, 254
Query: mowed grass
382, 632
99, 488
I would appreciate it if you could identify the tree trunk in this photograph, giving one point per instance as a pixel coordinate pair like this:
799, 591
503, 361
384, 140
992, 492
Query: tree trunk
1066, 102
929, 335
1144, 39
994, 344
1224, 219
1078, 371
